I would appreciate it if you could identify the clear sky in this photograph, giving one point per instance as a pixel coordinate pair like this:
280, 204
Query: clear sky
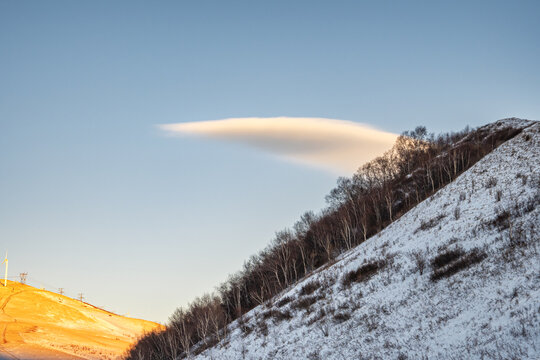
95, 198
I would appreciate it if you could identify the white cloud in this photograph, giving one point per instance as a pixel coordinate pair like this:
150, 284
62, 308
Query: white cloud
335, 145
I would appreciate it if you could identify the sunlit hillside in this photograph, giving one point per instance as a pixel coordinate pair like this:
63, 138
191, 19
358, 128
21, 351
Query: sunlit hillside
39, 324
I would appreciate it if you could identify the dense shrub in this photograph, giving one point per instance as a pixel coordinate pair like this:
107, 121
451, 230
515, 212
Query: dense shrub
341, 317
284, 301
431, 223
502, 219
450, 263
282, 315
321, 313
305, 302
363, 273
310, 287
278, 315
446, 257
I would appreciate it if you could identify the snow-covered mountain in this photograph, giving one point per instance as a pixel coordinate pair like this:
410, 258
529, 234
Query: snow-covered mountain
456, 277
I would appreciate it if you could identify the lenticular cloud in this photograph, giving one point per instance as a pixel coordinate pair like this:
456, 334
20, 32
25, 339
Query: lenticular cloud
335, 145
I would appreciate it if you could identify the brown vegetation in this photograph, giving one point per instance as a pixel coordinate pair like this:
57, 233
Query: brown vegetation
450, 262
363, 273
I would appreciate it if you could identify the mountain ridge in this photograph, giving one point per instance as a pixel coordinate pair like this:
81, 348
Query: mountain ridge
343, 311
39, 324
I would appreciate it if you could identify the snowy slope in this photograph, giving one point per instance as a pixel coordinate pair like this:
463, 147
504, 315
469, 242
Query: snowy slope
488, 218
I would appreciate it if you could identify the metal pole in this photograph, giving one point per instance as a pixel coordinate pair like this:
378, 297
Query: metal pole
5, 277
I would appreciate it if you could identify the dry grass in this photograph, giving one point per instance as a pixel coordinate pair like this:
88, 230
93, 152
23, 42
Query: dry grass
305, 303
431, 223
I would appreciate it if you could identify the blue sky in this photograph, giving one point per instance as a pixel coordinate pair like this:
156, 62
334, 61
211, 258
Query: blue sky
96, 199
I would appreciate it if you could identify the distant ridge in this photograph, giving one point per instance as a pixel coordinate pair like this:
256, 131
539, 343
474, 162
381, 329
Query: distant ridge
39, 324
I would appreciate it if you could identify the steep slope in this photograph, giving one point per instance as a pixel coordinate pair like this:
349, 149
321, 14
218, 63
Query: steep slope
38, 324
455, 277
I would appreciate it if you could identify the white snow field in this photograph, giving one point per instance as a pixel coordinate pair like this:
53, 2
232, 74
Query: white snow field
484, 305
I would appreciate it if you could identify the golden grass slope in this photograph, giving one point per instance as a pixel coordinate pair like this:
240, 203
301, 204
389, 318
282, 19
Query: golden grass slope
39, 324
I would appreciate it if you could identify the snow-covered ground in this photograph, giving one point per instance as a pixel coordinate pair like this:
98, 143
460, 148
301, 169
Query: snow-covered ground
488, 309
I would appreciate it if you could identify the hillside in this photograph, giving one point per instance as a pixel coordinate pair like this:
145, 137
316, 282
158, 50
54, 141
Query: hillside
455, 277
39, 324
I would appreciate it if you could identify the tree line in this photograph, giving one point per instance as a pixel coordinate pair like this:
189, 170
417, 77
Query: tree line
358, 207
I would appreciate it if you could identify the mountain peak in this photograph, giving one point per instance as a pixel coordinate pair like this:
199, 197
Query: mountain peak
454, 277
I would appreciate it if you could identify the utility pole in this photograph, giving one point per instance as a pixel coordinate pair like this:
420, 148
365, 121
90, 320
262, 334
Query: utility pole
6, 262
80, 297
23, 276
61, 291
